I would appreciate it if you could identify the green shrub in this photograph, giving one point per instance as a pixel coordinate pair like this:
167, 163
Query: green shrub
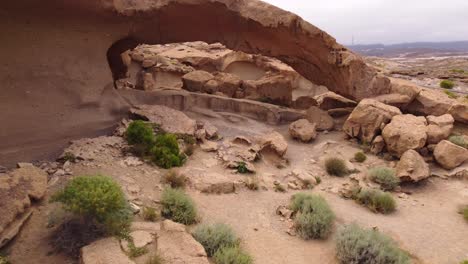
459, 140
215, 237
96, 198
447, 84
336, 167
139, 132
174, 179
165, 153
464, 212
155, 259
451, 94
385, 177
150, 214
242, 168
355, 245
314, 218
360, 157
134, 251
4, 260
231, 255
318, 179
377, 200
178, 206
464, 262
458, 71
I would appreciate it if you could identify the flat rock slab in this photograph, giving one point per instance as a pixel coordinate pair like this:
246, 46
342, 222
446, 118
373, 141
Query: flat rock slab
104, 251
169, 119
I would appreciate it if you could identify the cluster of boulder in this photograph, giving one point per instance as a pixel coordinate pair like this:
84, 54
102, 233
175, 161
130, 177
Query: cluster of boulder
412, 139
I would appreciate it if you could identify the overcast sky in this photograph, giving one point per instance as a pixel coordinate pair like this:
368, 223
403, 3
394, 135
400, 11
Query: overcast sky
384, 21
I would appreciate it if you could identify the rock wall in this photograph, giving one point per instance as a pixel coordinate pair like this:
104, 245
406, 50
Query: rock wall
56, 55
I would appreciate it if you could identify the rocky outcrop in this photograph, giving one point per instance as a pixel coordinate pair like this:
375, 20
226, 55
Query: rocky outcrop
106, 250
405, 132
439, 128
331, 100
378, 145
18, 189
303, 130
170, 120
430, 102
195, 81
412, 167
449, 155
368, 119
320, 118
274, 141
459, 111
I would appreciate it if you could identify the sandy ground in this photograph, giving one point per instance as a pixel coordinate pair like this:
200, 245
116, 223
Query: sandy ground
426, 223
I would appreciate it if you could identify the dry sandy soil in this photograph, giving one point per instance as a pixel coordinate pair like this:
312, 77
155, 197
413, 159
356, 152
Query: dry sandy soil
426, 222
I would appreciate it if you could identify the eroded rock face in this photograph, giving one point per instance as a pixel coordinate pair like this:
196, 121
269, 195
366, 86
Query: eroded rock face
320, 118
449, 155
439, 128
303, 130
431, 102
412, 167
405, 132
17, 189
368, 119
331, 100
274, 141
169, 119
196, 80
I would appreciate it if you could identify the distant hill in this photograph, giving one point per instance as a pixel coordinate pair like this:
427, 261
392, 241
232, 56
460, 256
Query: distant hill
416, 49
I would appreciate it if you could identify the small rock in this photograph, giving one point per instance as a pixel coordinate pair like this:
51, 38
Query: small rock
134, 208
24, 164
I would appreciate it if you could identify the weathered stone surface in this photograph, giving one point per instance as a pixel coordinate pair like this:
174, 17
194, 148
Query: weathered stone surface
194, 81
274, 141
430, 102
320, 118
165, 116
439, 128
449, 155
331, 100
412, 167
177, 246
377, 146
304, 102
459, 111
303, 130
405, 132
104, 251
140, 238
394, 99
226, 83
211, 130
368, 119
404, 87
275, 88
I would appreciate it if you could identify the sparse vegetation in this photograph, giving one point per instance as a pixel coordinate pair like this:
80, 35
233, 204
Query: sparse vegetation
96, 199
174, 179
385, 177
279, 188
318, 179
242, 168
4, 260
447, 84
178, 206
165, 152
464, 212
150, 214
360, 157
140, 135
68, 156
459, 141
461, 71
451, 94
232, 255
464, 262
355, 245
314, 218
376, 200
336, 167
155, 259
134, 251
215, 237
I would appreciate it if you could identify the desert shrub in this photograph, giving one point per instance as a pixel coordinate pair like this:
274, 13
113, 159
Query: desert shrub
464, 212
336, 167
174, 179
96, 198
458, 140
68, 156
377, 200
242, 168
134, 251
178, 206
318, 179
155, 259
447, 84
215, 237
232, 255
4, 260
360, 157
464, 262
385, 177
451, 94
139, 132
150, 214
165, 153
458, 71
314, 218
355, 245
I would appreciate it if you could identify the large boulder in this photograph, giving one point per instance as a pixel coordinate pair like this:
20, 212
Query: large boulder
321, 118
405, 132
303, 130
195, 81
226, 83
439, 128
412, 167
17, 191
368, 119
275, 88
331, 100
449, 155
459, 111
430, 102
177, 246
166, 117
274, 141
